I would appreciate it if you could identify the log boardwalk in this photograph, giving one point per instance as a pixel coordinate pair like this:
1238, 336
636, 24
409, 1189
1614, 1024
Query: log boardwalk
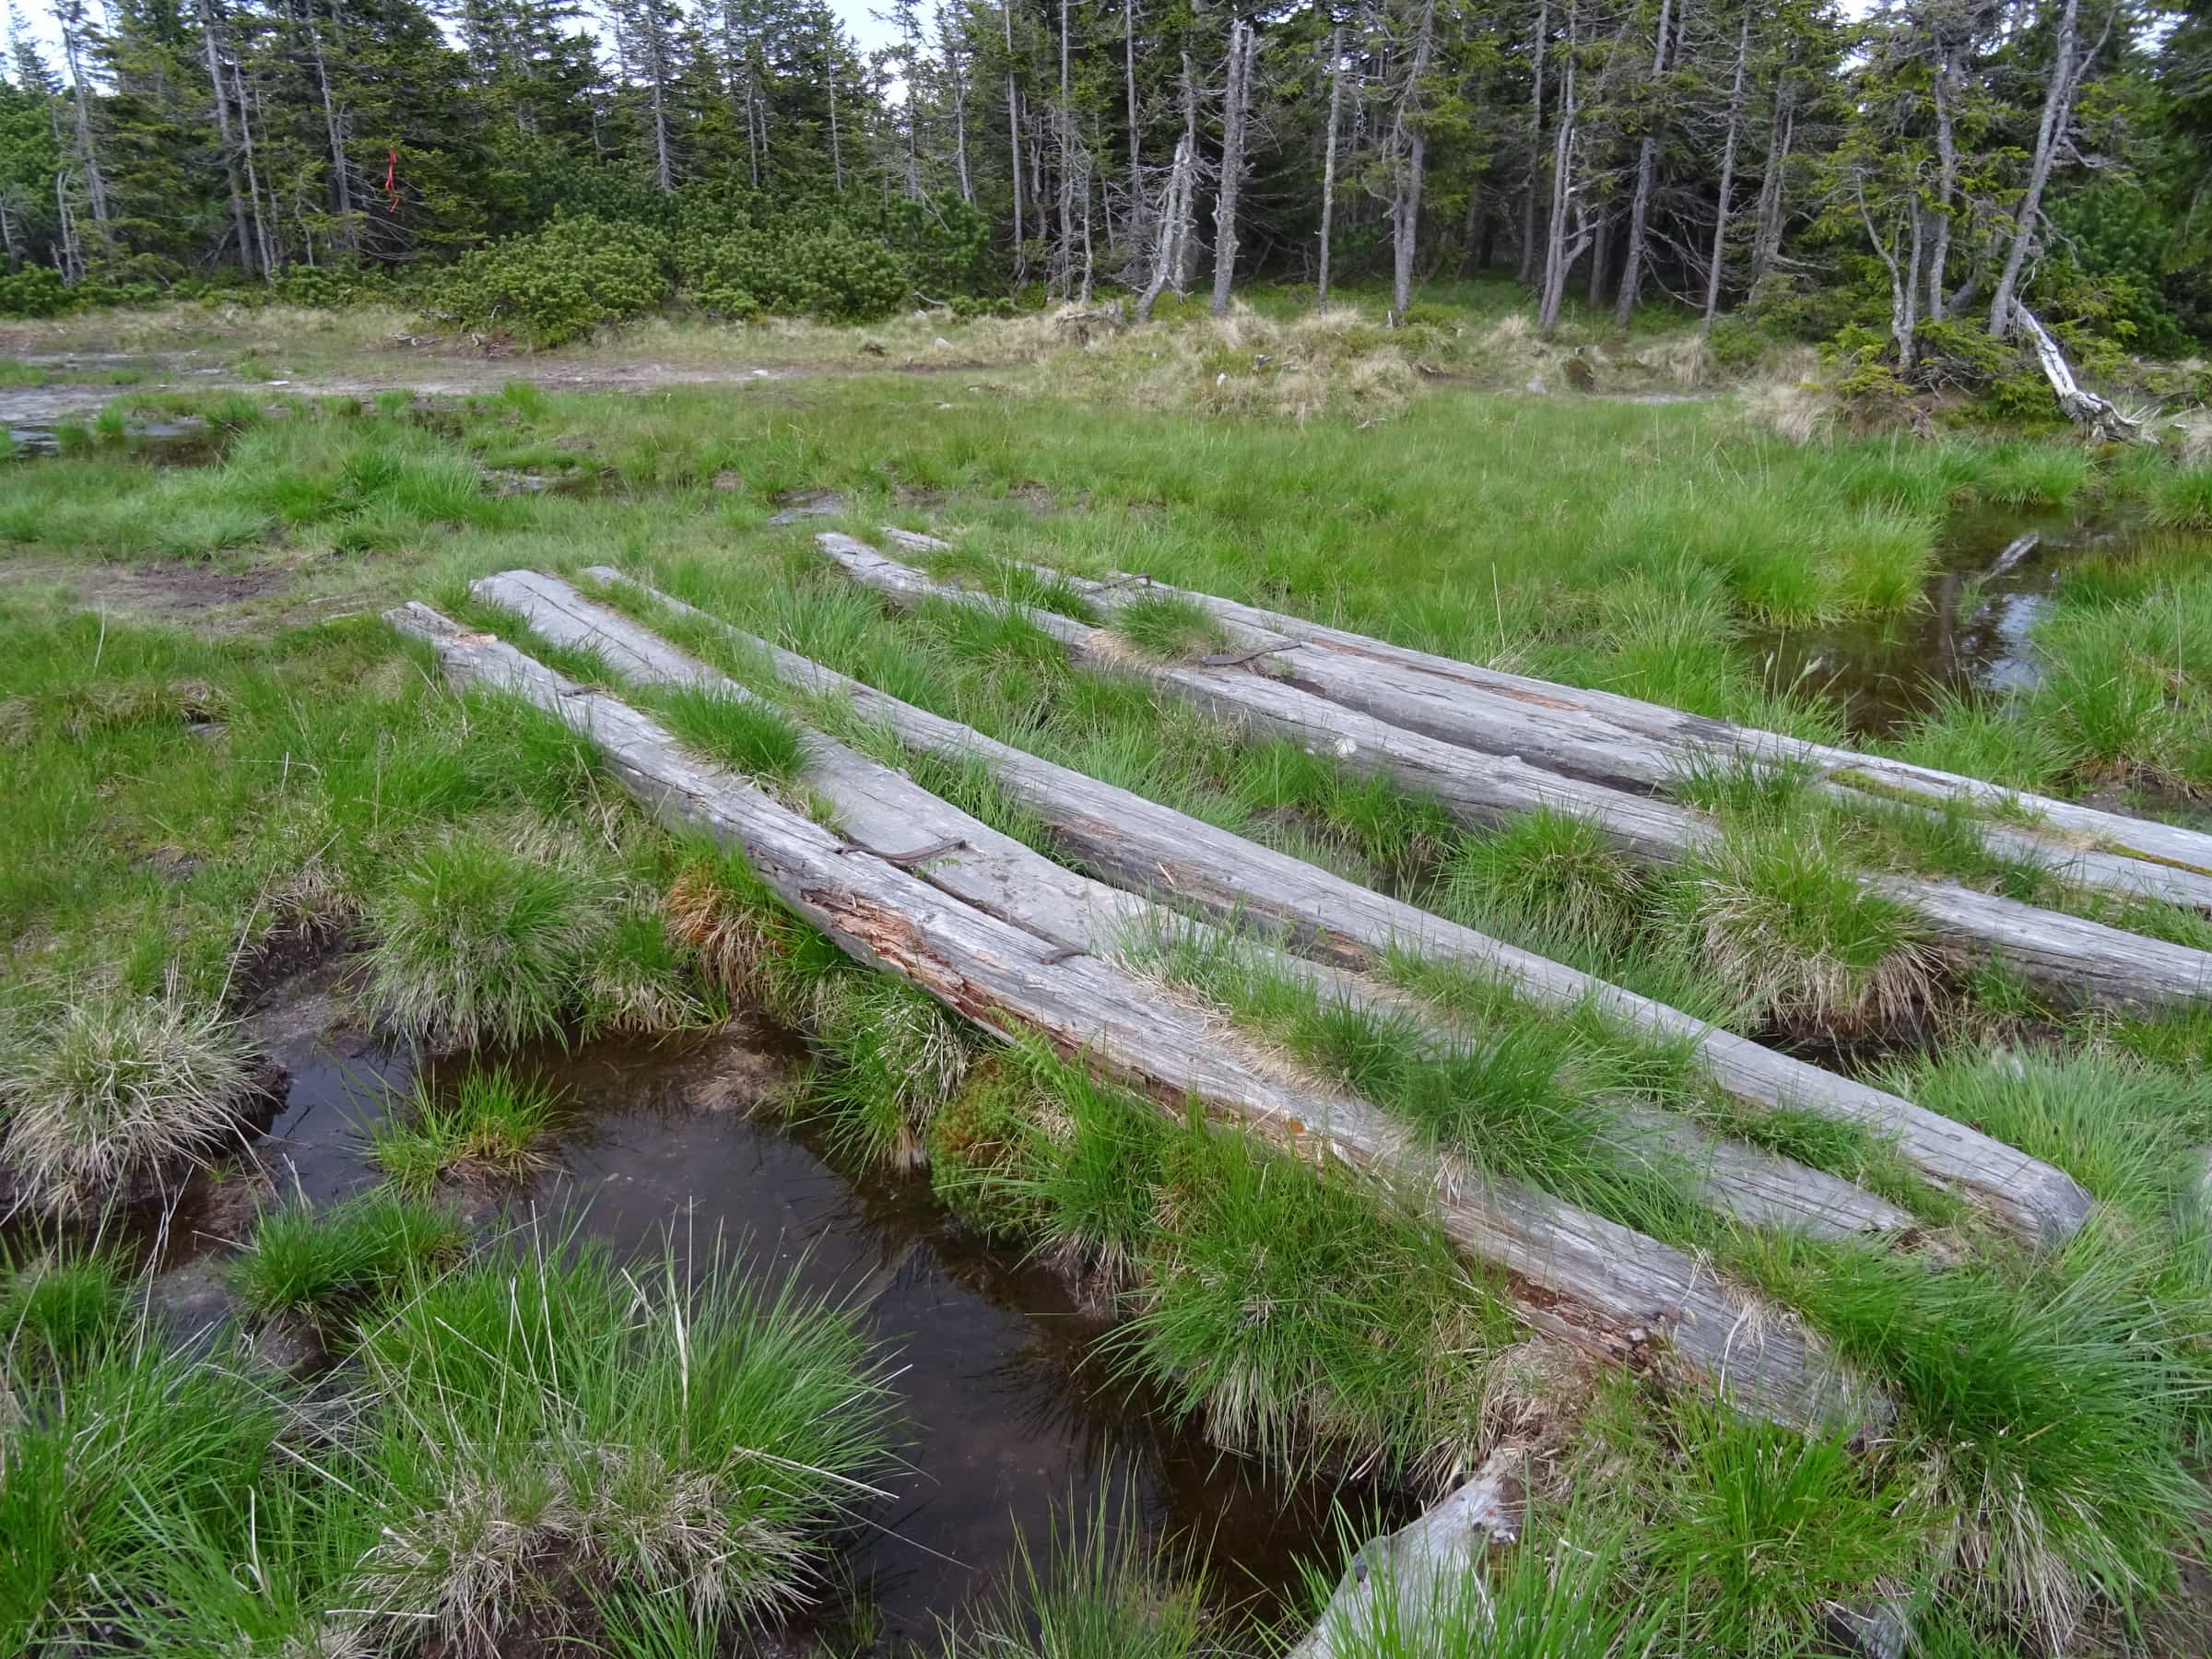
875, 806
1142, 845
1611, 738
2079, 961
1571, 1275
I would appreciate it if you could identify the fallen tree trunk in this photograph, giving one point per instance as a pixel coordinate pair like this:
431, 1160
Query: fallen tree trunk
2077, 960
2077, 402
2078, 843
1404, 1582
882, 807
1141, 845
1577, 1276
1556, 728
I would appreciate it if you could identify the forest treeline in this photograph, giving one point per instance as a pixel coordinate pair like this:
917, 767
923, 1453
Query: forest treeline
1898, 182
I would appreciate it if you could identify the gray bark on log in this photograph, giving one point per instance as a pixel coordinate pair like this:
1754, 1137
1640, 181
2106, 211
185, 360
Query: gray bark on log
1139, 843
1574, 1276
2080, 961
878, 806
1617, 741
1432, 1563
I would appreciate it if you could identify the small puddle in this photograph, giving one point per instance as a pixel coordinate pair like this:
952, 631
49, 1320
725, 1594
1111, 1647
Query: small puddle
1010, 1418
172, 440
1990, 586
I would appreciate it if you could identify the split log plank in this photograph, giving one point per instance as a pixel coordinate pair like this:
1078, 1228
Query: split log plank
1141, 845
1550, 729
2077, 960
882, 807
2103, 840
1586, 1280
1428, 1568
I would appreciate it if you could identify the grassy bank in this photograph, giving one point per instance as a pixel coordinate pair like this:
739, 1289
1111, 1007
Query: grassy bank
233, 758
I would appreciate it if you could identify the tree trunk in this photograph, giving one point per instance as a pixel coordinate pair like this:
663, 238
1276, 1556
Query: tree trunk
1538, 50
1647, 173
1556, 256
1427, 1573
341, 178
1720, 220
1174, 219
1186, 257
224, 134
1600, 241
1765, 238
263, 244
96, 183
1409, 144
2079, 404
1136, 171
981, 933
959, 123
1329, 167
1947, 183
1235, 108
2058, 106
1064, 261
1013, 132
1904, 290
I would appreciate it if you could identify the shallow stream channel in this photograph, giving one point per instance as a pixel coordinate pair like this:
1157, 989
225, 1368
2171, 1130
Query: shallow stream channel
1015, 1428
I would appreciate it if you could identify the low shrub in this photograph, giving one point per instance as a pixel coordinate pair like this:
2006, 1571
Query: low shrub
557, 284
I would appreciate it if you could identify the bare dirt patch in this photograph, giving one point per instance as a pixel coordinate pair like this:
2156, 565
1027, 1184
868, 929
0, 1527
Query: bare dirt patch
206, 597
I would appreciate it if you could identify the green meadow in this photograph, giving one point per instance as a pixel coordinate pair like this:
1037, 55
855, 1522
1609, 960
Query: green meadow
218, 758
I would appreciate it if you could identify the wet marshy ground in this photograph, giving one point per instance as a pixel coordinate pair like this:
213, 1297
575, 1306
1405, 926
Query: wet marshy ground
1013, 1422
1995, 573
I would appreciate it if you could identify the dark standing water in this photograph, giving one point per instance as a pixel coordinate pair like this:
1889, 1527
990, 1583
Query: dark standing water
1983, 597
1011, 1421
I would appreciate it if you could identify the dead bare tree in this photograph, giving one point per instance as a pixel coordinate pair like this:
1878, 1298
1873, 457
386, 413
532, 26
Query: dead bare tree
1236, 114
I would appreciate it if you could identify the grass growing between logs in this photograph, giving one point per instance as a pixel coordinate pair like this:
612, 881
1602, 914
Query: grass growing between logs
186, 805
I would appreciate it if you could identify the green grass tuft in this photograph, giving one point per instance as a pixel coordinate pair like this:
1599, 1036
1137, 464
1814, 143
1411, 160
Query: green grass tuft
58, 1310
553, 1418
1102, 1595
494, 1125
1285, 1312
1170, 628
102, 1091
2183, 500
742, 732
329, 1266
1782, 922
478, 942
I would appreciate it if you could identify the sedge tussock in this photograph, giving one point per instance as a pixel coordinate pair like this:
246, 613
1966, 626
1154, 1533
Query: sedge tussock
101, 1089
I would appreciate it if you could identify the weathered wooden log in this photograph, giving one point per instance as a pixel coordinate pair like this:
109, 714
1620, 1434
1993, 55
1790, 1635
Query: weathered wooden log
1592, 744
2079, 961
1140, 844
875, 804
2107, 422
2078, 843
1577, 1276
1432, 1566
